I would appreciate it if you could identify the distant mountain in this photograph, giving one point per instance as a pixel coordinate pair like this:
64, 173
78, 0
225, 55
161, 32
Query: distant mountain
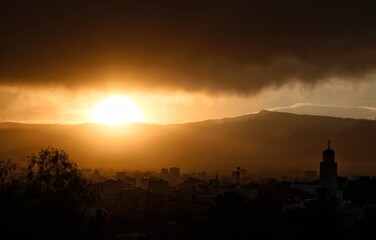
266, 142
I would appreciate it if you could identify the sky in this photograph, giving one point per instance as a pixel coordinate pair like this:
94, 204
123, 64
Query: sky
184, 61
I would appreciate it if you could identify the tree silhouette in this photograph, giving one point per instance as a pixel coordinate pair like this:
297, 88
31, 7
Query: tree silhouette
6, 170
50, 199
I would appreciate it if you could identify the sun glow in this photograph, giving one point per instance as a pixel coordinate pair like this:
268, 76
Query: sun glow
116, 110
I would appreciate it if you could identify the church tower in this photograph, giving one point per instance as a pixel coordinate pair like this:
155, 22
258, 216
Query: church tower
328, 170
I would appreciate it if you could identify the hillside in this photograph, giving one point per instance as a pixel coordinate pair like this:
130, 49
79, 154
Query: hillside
263, 142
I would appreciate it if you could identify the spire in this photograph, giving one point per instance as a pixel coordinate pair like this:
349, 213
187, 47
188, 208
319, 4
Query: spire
238, 175
328, 144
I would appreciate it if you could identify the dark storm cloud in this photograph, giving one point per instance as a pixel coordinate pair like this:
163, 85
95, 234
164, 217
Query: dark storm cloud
230, 46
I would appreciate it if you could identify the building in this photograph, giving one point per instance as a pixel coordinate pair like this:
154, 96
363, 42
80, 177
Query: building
328, 170
129, 182
164, 171
120, 175
158, 186
328, 173
109, 189
175, 172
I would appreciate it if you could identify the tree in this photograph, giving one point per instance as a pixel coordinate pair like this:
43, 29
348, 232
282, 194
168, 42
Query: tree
51, 198
6, 170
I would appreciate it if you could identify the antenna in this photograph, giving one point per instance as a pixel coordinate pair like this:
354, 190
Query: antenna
328, 144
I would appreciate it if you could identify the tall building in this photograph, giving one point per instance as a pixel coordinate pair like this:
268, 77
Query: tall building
175, 172
328, 171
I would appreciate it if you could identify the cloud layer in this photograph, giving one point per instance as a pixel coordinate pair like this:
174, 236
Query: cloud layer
218, 46
359, 112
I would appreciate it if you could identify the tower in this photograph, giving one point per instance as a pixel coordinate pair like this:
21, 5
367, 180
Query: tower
328, 170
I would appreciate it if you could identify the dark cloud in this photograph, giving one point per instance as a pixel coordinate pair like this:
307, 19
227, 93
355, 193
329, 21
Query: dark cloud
230, 46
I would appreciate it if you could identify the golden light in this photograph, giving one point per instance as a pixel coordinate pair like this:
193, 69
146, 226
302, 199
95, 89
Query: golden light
116, 110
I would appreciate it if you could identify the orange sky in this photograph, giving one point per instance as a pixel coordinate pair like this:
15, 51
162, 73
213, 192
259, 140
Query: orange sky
62, 105
184, 61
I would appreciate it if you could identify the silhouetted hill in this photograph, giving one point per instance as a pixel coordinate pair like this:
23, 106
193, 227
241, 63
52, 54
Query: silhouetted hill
263, 142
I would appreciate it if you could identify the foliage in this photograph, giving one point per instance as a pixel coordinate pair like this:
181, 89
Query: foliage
51, 174
6, 168
50, 199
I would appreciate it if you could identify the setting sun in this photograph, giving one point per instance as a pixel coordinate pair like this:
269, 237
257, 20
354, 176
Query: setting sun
116, 110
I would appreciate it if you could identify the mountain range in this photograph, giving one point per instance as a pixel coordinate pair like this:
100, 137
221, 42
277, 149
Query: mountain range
266, 142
